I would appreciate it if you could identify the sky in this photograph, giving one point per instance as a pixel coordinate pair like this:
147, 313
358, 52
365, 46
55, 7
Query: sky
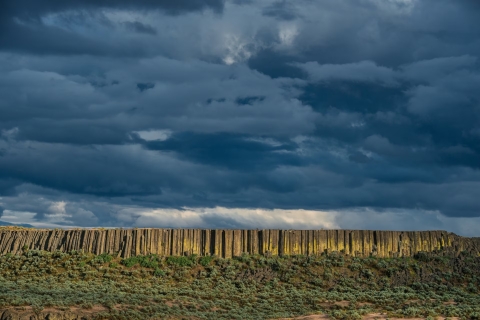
355, 114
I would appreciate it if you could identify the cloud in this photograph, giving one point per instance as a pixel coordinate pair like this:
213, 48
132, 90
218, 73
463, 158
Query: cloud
195, 96
435, 101
364, 71
432, 69
139, 27
230, 151
25, 27
28, 7
281, 10
238, 218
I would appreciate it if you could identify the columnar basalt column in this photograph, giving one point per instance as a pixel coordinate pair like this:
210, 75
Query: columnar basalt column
230, 243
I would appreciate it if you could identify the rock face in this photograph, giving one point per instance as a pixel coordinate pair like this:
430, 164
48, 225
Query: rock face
227, 243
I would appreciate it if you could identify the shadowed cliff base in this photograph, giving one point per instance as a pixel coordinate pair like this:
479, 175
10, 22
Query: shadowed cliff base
230, 243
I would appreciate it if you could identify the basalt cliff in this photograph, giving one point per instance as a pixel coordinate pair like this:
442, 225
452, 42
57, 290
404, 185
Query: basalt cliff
228, 243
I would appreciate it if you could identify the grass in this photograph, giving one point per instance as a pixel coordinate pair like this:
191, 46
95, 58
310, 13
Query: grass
246, 287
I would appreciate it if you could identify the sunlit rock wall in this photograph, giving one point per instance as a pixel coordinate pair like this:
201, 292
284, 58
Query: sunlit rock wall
228, 243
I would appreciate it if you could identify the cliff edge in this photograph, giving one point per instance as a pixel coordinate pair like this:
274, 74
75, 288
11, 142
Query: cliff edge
227, 243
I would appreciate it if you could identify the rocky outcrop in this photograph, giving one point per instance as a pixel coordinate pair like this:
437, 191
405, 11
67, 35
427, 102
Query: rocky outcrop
228, 243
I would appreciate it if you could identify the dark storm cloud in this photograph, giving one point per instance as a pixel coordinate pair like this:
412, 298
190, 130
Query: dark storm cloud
32, 8
275, 64
111, 109
248, 100
145, 86
390, 33
22, 27
282, 10
76, 131
155, 93
428, 105
140, 27
86, 170
230, 151
7, 187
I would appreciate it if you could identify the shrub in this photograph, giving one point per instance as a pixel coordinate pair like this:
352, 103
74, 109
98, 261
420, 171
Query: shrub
159, 273
130, 262
205, 261
355, 266
103, 258
181, 261
422, 256
150, 261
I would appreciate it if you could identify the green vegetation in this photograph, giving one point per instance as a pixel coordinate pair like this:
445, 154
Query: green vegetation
246, 287
150, 261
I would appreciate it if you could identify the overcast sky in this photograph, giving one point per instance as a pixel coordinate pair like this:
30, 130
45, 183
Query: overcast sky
360, 114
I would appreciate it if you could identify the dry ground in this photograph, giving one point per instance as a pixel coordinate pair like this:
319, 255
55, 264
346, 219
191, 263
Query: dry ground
372, 316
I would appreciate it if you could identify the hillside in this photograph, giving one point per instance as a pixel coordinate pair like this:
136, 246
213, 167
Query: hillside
75, 285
